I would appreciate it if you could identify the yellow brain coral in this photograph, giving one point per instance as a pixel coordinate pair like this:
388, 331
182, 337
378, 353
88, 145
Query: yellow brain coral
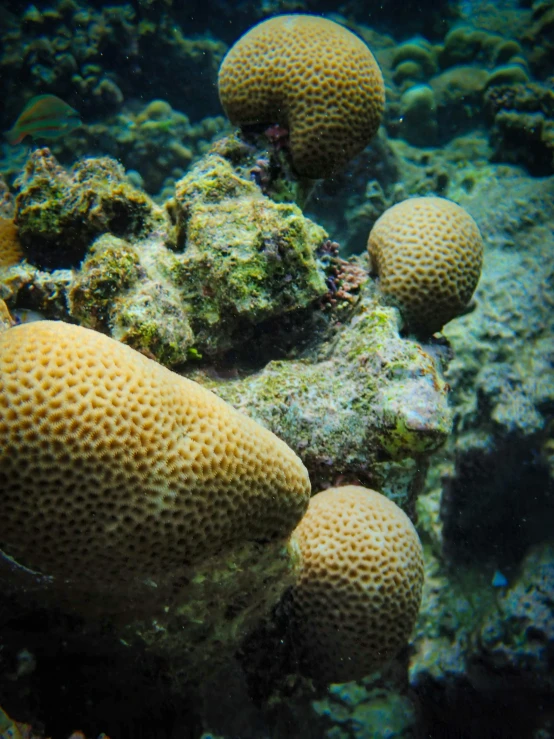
359, 590
10, 248
114, 470
428, 254
312, 76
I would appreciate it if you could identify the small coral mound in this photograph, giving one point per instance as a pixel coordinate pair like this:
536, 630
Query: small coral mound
10, 248
359, 590
427, 253
121, 472
312, 76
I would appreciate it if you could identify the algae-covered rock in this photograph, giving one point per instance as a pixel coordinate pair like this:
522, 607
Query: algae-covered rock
517, 635
369, 407
119, 291
240, 257
229, 259
502, 380
522, 118
59, 213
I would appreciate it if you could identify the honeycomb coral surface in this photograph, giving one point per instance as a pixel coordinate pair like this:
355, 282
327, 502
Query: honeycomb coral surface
114, 471
312, 76
360, 586
10, 248
428, 254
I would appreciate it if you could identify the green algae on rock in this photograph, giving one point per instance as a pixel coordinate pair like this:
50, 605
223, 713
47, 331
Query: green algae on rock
116, 292
59, 213
363, 408
192, 279
241, 258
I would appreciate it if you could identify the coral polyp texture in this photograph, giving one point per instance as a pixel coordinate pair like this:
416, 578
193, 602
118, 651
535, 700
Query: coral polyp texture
313, 77
427, 253
123, 473
359, 590
10, 249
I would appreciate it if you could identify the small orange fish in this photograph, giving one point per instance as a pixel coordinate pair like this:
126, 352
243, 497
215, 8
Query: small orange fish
44, 116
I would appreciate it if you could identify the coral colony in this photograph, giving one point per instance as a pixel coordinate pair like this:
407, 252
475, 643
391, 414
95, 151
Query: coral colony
276, 372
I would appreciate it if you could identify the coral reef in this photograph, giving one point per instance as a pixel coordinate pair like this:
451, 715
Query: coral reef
226, 260
522, 118
501, 378
358, 592
212, 256
427, 253
538, 39
155, 143
181, 461
10, 249
365, 406
94, 58
58, 214
517, 635
472, 640
287, 89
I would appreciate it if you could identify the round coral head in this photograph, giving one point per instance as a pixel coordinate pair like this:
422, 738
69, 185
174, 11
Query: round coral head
359, 590
312, 76
427, 253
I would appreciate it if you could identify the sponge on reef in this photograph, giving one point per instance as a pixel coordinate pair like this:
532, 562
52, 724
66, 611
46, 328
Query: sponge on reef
427, 253
116, 472
359, 589
313, 77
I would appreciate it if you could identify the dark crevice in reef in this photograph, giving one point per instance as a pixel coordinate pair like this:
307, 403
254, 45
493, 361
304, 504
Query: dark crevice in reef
475, 527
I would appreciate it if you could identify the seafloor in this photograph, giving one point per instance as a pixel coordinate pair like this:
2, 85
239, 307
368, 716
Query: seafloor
161, 225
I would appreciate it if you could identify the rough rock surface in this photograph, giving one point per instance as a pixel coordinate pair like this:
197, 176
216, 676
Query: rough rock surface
502, 379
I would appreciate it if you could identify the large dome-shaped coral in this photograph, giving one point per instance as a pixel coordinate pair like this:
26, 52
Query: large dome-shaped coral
312, 76
116, 473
